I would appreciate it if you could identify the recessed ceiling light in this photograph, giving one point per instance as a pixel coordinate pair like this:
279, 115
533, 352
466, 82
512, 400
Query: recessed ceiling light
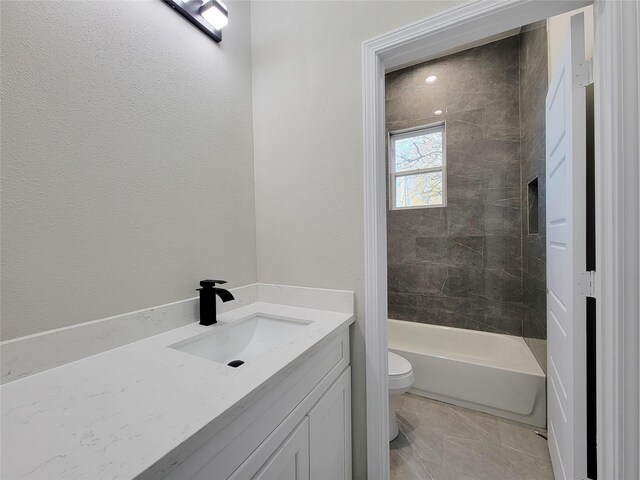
438, 112
431, 79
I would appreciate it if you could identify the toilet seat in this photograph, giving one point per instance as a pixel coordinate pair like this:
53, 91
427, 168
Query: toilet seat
400, 372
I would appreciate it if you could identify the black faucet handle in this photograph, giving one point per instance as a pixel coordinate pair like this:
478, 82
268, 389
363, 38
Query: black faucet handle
211, 283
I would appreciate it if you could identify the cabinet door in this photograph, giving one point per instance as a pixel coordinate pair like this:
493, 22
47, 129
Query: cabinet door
290, 461
330, 432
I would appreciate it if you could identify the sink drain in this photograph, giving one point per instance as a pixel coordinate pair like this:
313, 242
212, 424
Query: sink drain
235, 363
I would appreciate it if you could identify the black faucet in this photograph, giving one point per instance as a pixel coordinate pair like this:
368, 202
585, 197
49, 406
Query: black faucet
208, 294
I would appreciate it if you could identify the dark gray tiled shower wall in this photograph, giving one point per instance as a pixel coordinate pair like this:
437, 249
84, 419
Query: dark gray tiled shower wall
462, 265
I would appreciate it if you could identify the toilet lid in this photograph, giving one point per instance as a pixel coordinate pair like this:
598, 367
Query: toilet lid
398, 365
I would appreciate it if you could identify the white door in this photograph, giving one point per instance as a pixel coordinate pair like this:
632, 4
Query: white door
566, 257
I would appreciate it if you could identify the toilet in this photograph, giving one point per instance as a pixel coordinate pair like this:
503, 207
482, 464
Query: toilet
400, 380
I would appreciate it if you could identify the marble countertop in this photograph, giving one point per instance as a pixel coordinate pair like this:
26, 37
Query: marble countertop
120, 413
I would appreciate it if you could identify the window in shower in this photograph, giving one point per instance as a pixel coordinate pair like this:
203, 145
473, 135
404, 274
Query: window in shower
417, 168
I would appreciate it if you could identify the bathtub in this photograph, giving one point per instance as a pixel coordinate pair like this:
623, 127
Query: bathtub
489, 372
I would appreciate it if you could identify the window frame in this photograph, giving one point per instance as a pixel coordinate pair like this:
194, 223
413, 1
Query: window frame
413, 132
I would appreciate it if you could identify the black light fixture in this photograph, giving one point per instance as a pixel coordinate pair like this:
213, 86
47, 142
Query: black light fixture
208, 16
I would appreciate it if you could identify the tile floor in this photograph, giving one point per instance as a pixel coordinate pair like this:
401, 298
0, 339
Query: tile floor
438, 441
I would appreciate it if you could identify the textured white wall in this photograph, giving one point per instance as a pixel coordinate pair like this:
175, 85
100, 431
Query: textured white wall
127, 159
307, 89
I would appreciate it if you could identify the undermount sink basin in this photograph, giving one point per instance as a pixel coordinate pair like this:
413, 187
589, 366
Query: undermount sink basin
241, 339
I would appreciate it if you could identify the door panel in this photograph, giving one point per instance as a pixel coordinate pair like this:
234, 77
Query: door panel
290, 461
566, 257
330, 432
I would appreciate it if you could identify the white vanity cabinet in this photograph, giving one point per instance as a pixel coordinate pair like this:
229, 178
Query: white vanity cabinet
299, 429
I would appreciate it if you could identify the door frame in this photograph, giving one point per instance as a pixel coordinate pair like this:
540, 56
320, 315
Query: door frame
616, 71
